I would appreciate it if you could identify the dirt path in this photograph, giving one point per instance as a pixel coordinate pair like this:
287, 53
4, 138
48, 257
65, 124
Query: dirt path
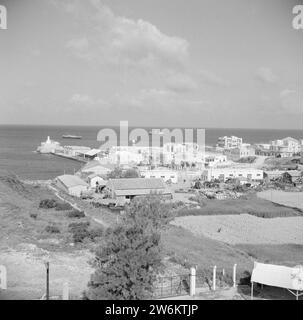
75, 206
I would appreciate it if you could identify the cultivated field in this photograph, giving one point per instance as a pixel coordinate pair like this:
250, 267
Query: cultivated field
291, 199
245, 229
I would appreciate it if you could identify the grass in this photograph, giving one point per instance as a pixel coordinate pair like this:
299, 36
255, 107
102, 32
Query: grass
251, 205
287, 254
189, 250
23, 221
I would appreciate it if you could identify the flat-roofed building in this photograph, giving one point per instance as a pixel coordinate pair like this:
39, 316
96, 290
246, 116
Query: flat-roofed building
231, 173
160, 173
229, 142
244, 151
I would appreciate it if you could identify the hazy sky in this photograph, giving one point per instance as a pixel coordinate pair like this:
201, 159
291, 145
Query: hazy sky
205, 63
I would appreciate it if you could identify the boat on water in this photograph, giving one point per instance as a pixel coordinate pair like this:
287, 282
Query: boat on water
69, 136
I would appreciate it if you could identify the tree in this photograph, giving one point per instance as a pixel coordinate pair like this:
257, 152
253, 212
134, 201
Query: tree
149, 212
126, 267
129, 258
118, 173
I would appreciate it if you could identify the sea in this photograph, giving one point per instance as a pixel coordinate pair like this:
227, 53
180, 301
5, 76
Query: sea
18, 144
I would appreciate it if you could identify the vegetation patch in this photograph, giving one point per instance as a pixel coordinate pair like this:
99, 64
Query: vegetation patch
250, 204
52, 229
54, 204
76, 214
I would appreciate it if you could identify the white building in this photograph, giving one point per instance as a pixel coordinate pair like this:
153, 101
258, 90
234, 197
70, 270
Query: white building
215, 159
95, 167
225, 173
179, 153
244, 151
72, 185
96, 180
160, 173
74, 151
229, 142
286, 147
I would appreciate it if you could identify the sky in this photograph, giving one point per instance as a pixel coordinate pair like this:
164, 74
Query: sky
197, 63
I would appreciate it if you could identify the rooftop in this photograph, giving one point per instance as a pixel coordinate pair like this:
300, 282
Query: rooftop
136, 183
71, 181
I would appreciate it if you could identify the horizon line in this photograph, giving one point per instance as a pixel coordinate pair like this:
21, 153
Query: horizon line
147, 126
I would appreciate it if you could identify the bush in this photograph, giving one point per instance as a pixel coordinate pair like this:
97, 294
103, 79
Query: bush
76, 214
79, 231
96, 233
33, 215
52, 203
52, 229
47, 203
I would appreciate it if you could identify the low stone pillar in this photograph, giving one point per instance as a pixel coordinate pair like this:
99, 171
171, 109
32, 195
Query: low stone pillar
192, 290
214, 277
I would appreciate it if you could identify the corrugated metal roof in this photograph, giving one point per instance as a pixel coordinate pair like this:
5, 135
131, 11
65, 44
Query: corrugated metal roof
71, 181
136, 184
141, 192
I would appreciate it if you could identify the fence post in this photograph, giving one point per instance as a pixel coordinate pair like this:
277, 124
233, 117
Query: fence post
192, 288
214, 278
47, 280
3, 278
235, 276
65, 292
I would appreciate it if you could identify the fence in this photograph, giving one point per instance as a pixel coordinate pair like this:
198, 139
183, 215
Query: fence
171, 286
187, 284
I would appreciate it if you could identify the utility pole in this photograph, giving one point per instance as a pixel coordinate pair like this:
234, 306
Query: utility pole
47, 280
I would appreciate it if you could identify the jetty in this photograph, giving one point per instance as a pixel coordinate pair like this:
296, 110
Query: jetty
69, 157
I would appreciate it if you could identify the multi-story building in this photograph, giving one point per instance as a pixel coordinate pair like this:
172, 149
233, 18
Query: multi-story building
229, 142
160, 173
244, 151
188, 153
286, 147
223, 174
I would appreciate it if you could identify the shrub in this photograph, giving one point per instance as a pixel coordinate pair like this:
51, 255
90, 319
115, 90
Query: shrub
96, 233
75, 225
47, 203
76, 214
52, 229
79, 231
33, 215
52, 203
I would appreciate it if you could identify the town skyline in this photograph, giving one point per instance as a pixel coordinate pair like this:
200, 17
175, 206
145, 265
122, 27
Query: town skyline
67, 63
